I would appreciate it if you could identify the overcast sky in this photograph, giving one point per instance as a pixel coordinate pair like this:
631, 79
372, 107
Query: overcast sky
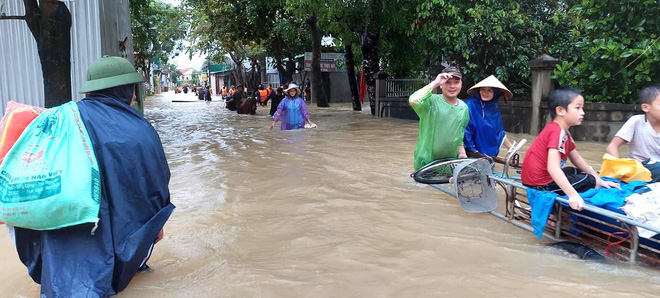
197, 60
182, 60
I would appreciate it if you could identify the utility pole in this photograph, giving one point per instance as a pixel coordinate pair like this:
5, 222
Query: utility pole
208, 70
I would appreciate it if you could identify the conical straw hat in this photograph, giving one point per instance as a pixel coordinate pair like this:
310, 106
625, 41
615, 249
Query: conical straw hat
492, 82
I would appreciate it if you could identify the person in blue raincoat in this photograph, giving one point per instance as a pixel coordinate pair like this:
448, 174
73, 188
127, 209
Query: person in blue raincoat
484, 134
96, 261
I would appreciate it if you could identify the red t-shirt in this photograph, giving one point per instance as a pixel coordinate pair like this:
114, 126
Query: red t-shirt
535, 164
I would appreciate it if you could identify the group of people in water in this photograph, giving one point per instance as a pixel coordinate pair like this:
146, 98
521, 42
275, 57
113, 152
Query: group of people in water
287, 106
452, 128
100, 258
286, 103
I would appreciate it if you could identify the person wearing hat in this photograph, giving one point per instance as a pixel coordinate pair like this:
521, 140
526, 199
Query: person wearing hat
442, 118
292, 111
98, 260
484, 134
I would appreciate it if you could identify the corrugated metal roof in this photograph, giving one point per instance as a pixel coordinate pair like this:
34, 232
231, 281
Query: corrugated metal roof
20, 70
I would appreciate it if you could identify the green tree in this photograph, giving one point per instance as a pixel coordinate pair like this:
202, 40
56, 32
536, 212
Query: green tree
310, 11
618, 46
401, 47
158, 30
492, 37
242, 30
344, 22
381, 30
174, 73
194, 80
248, 31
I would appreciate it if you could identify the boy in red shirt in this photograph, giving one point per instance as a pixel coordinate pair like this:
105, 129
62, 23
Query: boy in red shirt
543, 167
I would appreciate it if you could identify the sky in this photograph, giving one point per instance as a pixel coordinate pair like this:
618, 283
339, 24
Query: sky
182, 60
197, 60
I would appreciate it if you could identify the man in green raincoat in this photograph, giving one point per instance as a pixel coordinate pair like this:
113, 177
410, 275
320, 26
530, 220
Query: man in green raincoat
442, 118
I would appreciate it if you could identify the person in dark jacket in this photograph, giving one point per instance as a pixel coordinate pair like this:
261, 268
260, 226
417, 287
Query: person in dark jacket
200, 93
89, 260
207, 93
277, 97
234, 102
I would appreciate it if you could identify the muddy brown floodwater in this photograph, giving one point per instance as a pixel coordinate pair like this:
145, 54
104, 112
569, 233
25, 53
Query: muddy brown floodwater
332, 212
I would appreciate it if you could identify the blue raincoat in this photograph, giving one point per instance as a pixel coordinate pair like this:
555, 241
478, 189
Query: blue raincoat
135, 204
485, 131
611, 199
293, 113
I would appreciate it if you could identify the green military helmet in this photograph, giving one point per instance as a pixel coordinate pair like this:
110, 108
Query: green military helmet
110, 71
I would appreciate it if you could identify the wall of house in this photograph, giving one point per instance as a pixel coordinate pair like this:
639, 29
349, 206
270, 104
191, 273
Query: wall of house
338, 88
601, 120
115, 27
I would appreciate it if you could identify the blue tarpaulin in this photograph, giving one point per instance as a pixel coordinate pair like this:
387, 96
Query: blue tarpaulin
135, 204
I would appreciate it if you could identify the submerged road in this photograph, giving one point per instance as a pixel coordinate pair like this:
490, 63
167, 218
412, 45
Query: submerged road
331, 212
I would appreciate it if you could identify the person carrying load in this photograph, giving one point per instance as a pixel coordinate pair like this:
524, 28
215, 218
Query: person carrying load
100, 259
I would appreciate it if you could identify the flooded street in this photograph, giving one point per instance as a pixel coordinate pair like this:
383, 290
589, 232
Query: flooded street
331, 212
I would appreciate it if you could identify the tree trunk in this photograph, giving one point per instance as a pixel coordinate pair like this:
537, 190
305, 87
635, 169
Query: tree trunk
352, 79
264, 75
251, 83
317, 85
371, 67
281, 70
290, 68
50, 25
371, 61
147, 77
239, 76
145, 69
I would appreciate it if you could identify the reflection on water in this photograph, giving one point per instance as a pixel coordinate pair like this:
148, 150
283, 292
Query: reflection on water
330, 212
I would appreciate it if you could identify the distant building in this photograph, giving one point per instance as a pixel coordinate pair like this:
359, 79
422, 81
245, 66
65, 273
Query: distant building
186, 74
220, 76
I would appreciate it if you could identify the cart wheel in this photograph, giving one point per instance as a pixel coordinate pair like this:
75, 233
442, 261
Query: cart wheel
438, 171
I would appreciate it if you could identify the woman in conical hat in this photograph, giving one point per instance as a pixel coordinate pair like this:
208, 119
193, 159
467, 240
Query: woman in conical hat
485, 133
292, 110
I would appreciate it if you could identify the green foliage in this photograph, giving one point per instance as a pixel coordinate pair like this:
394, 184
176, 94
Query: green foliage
194, 80
157, 31
609, 49
245, 29
491, 37
619, 49
173, 72
401, 48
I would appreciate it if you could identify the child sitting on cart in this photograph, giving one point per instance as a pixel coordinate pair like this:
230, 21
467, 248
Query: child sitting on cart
484, 134
442, 119
642, 133
543, 167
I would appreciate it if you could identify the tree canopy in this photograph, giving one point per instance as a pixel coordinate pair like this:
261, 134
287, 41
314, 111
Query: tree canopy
607, 48
158, 32
617, 49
